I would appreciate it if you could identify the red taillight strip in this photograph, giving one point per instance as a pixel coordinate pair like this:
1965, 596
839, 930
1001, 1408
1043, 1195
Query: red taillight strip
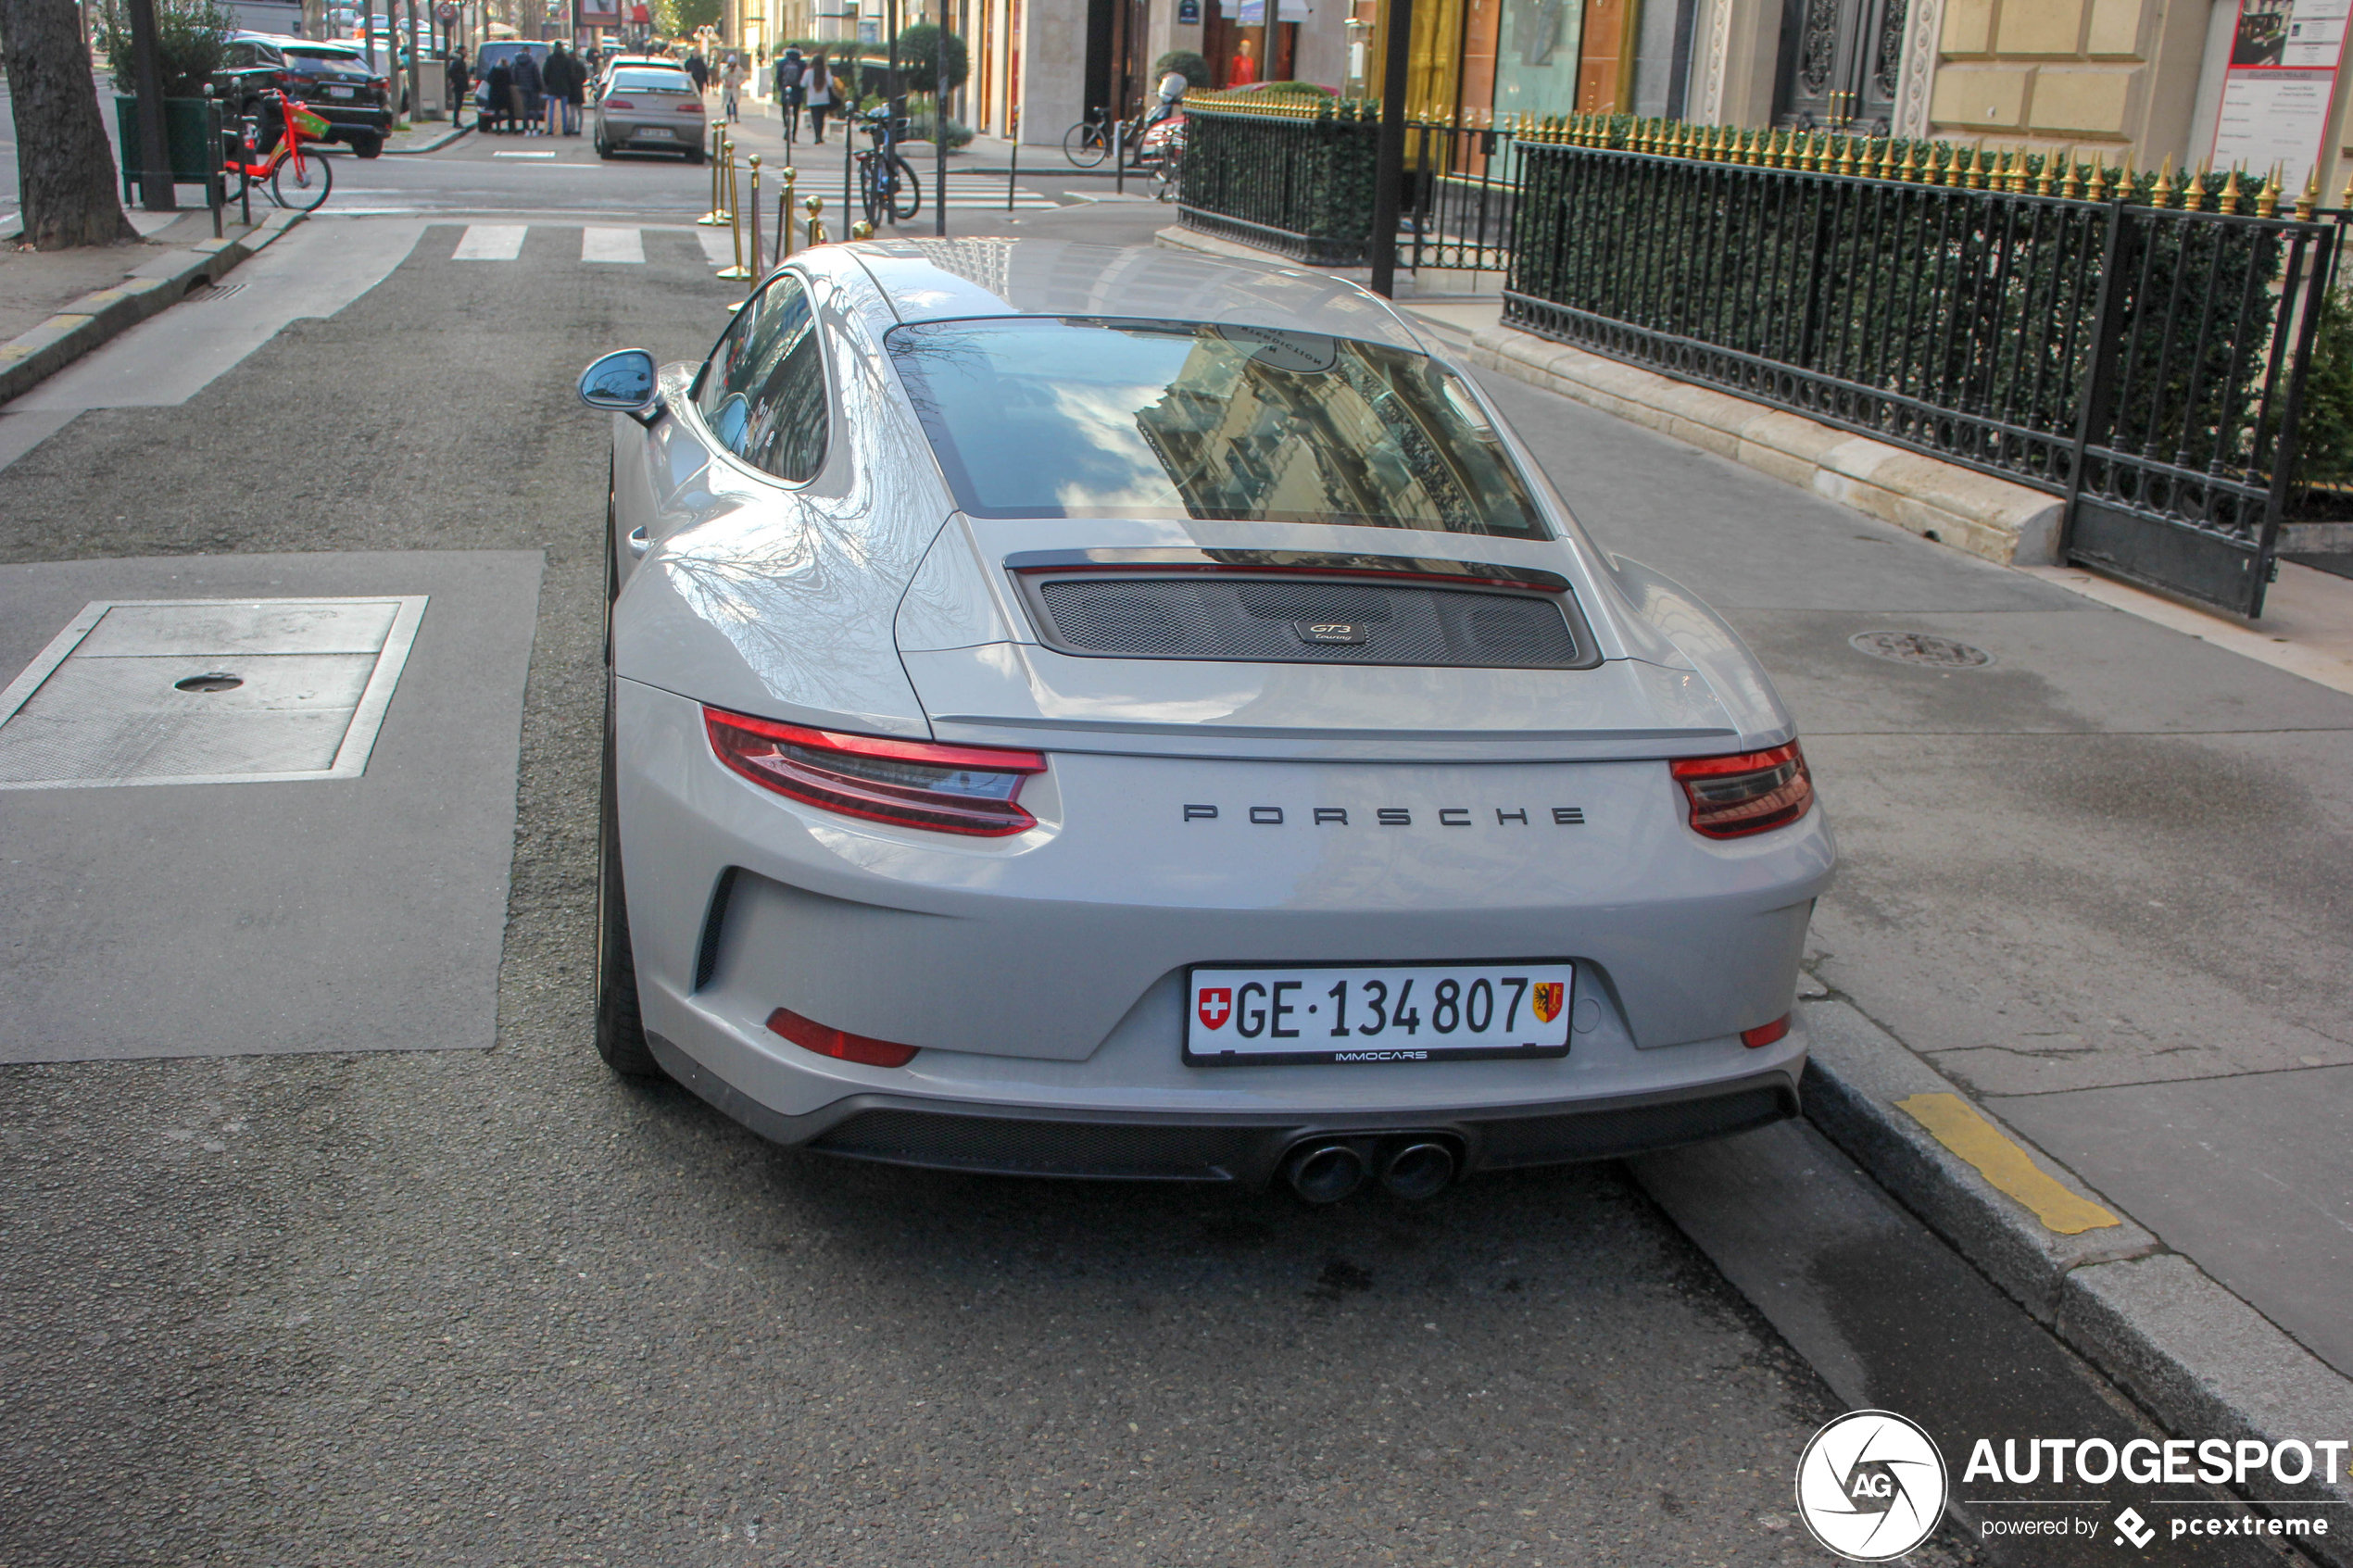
1782, 790
832, 778
839, 1044
1765, 1034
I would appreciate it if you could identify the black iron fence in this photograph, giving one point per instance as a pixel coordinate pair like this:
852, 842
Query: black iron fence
1295, 176
2134, 342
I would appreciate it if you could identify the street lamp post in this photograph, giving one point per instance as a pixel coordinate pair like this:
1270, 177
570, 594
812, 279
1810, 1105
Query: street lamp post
1389, 163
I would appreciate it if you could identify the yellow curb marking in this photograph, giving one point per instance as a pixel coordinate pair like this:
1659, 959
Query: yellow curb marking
1954, 1123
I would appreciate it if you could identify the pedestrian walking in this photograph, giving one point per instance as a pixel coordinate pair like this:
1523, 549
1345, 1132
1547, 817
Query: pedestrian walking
529, 85
699, 68
817, 86
731, 85
790, 94
459, 82
497, 105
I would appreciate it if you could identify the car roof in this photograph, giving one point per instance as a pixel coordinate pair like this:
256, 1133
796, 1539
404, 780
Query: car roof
951, 279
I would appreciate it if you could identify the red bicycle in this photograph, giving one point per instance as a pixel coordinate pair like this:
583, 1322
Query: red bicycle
297, 179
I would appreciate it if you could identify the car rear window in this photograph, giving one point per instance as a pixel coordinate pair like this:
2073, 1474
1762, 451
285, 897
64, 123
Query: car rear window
652, 82
313, 61
1069, 417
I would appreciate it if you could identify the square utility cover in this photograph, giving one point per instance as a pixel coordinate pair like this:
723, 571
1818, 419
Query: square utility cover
207, 691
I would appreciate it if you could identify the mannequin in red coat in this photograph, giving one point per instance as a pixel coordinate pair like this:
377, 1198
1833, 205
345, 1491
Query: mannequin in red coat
1244, 71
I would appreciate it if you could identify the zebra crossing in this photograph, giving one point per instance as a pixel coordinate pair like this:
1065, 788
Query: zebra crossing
626, 246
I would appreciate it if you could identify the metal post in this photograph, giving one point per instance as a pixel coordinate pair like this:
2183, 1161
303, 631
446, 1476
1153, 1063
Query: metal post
813, 206
939, 126
758, 266
245, 182
1389, 164
735, 209
718, 213
1119, 155
1012, 163
213, 194
2099, 373
849, 156
783, 215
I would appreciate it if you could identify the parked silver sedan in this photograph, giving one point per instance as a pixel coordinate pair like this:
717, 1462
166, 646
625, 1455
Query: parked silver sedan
1120, 713
649, 108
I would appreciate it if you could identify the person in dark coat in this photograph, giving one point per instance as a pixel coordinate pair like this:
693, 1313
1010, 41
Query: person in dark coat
529, 85
555, 83
699, 68
789, 93
578, 73
497, 105
459, 82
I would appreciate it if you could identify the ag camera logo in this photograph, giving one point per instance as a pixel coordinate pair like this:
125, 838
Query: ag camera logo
1870, 1485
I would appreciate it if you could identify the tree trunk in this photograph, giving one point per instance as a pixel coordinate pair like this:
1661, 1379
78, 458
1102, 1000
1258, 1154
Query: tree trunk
65, 173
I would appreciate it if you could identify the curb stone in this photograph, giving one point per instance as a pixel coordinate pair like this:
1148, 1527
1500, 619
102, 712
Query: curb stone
2199, 1359
153, 287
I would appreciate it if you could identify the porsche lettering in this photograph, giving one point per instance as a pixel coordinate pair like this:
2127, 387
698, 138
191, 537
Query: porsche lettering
1391, 816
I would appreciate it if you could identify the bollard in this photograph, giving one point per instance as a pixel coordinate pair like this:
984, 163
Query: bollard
758, 266
1013, 165
783, 215
718, 214
861, 230
1119, 156
814, 206
734, 209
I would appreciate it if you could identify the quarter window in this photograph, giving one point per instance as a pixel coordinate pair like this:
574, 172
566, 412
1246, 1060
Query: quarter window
764, 391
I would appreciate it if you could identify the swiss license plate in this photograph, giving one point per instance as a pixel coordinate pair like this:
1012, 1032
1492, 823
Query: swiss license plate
339, 92
662, 132
1386, 1012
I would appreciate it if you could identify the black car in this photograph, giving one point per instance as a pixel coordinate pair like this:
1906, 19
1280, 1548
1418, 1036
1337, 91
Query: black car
332, 80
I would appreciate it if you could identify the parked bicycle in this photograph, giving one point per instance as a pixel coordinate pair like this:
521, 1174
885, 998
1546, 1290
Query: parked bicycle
297, 179
1089, 141
886, 182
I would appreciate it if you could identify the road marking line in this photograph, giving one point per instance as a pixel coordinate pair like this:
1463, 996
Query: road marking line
491, 241
1954, 1123
523, 155
611, 245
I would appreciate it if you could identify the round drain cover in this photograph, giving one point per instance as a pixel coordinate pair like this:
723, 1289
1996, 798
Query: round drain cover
211, 681
1918, 648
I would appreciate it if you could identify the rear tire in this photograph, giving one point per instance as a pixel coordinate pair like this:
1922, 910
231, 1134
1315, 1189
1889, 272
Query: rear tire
368, 146
908, 198
621, 1028
1083, 144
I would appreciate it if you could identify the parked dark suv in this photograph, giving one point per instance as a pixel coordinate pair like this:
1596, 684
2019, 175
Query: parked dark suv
332, 79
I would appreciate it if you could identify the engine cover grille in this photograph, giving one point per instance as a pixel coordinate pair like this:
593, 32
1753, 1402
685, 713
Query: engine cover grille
1304, 619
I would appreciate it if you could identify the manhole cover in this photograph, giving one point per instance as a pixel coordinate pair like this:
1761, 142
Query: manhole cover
1918, 648
217, 291
207, 691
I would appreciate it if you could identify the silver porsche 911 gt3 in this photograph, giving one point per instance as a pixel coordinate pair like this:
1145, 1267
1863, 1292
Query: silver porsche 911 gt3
1102, 712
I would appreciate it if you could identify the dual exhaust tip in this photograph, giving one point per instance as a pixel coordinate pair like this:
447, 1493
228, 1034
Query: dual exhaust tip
1411, 1166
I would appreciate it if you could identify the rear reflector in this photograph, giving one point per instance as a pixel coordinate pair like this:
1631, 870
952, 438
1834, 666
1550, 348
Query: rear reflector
1763, 1034
1754, 792
963, 789
838, 1044
619, 104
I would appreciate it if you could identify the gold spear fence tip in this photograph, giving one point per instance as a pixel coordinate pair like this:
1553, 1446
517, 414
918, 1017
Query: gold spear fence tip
2310, 200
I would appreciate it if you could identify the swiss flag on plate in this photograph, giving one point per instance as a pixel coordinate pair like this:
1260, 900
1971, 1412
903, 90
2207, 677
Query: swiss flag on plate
1216, 1005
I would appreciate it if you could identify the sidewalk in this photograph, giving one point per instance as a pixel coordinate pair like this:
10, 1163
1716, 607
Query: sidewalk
2095, 884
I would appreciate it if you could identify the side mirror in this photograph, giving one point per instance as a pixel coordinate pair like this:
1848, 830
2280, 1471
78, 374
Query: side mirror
624, 383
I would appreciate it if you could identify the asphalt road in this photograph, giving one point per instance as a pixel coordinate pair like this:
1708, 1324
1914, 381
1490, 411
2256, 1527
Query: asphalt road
468, 1307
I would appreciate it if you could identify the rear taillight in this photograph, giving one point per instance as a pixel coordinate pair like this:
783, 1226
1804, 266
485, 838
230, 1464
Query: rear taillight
619, 104
1756, 791
839, 1044
1765, 1034
964, 789
690, 108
